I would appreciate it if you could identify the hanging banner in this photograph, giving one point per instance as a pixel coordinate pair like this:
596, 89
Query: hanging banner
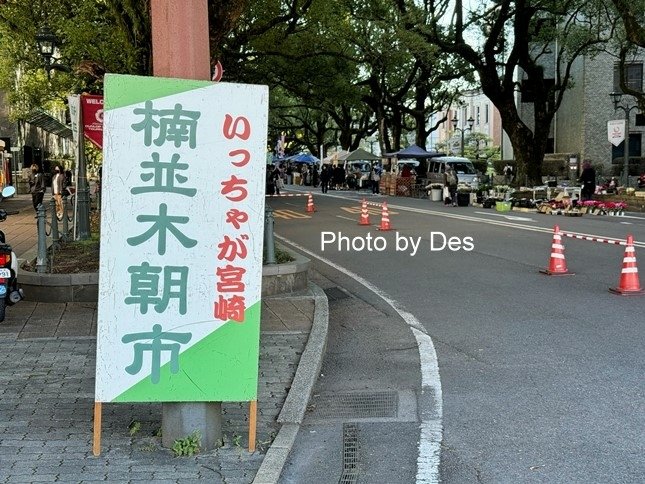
74, 104
182, 226
616, 131
93, 118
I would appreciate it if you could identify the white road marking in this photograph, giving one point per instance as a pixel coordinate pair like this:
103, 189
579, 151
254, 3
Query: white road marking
507, 217
627, 223
431, 430
501, 223
346, 218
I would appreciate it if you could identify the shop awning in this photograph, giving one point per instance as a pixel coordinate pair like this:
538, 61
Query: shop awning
44, 121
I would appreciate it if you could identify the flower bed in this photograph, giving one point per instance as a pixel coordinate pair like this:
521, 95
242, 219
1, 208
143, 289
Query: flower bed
598, 207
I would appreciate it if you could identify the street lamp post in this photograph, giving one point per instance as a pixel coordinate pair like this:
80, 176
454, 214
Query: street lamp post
470, 122
617, 97
47, 42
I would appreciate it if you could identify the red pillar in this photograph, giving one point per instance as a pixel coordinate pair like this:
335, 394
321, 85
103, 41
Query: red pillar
180, 41
180, 49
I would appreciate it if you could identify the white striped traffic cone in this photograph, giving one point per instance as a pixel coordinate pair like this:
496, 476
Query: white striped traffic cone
365, 216
557, 262
629, 284
310, 204
385, 219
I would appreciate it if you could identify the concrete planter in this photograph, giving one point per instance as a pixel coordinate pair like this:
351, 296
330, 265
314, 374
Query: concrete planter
285, 278
84, 287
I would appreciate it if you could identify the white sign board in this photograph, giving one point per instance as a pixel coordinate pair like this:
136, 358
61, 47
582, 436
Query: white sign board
74, 103
616, 131
181, 240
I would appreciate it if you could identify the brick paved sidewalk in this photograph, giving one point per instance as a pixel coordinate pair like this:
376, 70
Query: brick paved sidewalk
20, 226
47, 357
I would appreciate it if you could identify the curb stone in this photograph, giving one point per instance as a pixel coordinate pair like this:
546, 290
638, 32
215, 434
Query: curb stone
295, 405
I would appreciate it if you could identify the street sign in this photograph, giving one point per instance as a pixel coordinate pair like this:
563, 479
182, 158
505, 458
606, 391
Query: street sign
616, 131
92, 106
15, 149
181, 240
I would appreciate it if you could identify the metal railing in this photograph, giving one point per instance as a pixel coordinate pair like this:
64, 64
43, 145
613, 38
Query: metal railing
49, 227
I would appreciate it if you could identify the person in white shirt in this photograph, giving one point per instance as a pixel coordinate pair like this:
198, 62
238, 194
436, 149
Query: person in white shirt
58, 181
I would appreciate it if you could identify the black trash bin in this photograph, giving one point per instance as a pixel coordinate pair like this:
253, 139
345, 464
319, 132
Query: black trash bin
463, 199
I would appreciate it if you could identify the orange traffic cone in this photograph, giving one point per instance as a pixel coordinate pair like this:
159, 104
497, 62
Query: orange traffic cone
385, 219
310, 204
365, 216
557, 262
629, 285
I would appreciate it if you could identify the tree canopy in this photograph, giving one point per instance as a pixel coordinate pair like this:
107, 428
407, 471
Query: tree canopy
342, 71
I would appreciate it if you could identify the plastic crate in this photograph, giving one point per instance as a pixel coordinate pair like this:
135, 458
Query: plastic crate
503, 206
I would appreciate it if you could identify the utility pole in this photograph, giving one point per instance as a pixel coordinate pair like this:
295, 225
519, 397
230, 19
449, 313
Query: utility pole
180, 49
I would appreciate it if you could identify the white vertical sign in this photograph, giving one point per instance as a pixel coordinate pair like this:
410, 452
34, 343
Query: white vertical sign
74, 103
181, 240
616, 131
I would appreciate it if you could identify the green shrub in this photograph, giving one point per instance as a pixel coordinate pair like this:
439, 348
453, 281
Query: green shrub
189, 445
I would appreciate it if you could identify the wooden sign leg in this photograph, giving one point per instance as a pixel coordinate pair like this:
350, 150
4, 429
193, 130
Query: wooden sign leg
96, 442
253, 411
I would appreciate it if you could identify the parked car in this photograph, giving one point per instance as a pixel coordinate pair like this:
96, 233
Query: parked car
463, 166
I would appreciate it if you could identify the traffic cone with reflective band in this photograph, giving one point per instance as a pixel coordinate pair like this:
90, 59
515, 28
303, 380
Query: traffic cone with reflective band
365, 216
629, 285
310, 204
557, 262
385, 219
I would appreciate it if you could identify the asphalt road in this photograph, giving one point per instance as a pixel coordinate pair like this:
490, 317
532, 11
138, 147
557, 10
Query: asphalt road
542, 377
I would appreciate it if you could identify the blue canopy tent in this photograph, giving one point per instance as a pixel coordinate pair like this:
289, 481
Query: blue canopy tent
273, 159
304, 158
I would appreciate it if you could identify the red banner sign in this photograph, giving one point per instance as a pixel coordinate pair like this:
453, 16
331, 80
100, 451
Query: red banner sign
92, 106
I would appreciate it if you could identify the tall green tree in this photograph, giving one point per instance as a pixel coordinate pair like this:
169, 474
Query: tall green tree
499, 38
631, 42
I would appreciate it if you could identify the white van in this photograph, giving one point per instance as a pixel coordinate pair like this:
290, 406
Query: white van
463, 167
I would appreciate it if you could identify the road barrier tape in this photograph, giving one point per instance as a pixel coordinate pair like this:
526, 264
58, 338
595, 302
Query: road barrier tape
594, 239
288, 195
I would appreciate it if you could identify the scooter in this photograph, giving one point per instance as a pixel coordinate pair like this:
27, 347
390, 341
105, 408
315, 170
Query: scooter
10, 293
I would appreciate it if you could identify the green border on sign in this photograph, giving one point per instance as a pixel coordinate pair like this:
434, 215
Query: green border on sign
223, 366
123, 90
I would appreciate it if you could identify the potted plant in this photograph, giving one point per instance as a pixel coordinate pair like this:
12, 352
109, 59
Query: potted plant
435, 191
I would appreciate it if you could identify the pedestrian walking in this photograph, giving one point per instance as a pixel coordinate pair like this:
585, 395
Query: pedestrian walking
325, 177
508, 173
58, 183
588, 180
339, 177
36, 186
450, 180
375, 179
315, 176
276, 176
289, 174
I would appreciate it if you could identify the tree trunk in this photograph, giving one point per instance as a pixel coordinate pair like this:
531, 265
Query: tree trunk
527, 153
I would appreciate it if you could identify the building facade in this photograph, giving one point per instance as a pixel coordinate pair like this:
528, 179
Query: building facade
579, 128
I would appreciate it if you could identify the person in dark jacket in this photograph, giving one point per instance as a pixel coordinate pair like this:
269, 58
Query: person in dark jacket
36, 186
325, 177
588, 180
